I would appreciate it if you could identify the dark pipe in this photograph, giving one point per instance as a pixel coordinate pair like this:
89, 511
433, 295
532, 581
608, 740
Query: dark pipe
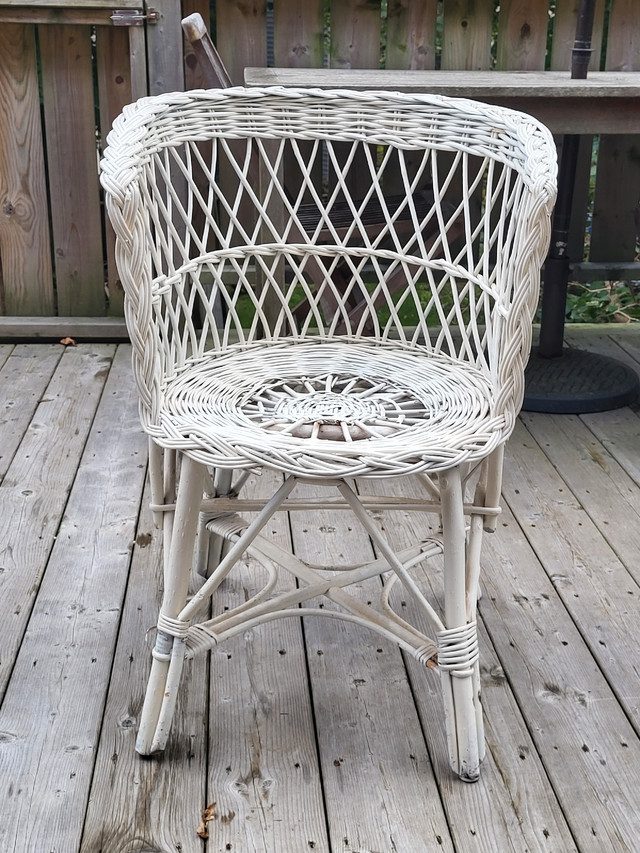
581, 53
556, 272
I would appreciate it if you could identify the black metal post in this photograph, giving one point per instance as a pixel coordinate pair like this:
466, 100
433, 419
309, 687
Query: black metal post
571, 381
556, 277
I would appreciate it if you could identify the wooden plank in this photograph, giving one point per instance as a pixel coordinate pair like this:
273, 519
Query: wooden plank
591, 580
522, 35
615, 505
67, 86
534, 85
31, 15
512, 806
597, 579
131, 797
24, 376
355, 34
411, 35
263, 772
599, 104
5, 352
248, 18
63, 668
615, 232
55, 328
298, 33
164, 49
26, 273
74, 4
36, 485
589, 749
466, 38
377, 775
603, 271
114, 92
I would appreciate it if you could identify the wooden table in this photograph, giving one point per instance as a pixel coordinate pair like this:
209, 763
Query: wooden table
606, 102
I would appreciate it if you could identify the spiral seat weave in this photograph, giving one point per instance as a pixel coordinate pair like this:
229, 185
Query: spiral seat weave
330, 409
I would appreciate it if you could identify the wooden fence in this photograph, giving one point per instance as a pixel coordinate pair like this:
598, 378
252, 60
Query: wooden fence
66, 69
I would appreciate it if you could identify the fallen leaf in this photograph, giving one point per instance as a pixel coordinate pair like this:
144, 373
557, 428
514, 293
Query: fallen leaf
207, 815
68, 342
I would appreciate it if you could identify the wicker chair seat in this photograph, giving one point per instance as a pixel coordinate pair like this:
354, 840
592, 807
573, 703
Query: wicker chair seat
338, 409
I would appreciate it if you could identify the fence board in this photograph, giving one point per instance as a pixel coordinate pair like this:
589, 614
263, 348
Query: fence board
411, 34
249, 19
67, 88
298, 33
164, 49
114, 91
618, 175
357, 38
355, 34
466, 39
522, 34
25, 268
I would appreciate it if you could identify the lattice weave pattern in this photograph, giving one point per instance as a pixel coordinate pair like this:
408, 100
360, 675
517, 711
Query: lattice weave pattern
274, 322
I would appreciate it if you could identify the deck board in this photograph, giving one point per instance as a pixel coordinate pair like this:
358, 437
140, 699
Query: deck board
300, 750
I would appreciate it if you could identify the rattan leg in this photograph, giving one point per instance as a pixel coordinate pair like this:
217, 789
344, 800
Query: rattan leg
457, 644
168, 654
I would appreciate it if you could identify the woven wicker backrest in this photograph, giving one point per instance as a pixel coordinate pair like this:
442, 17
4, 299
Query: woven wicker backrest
270, 214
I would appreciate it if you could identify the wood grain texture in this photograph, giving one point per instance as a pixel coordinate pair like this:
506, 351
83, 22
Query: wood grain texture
24, 376
114, 91
248, 18
355, 34
68, 97
561, 769
569, 544
512, 807
62, 671
154, 804
411, 35
522, 35
164, 49
26, 278
378, 778
298, 33
36, 486
466, 38
264, 771
589, 749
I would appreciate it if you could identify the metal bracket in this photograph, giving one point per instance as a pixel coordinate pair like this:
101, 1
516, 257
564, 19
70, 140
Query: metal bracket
134, 17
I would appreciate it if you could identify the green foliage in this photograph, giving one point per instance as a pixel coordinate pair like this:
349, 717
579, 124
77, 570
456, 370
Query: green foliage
603, 302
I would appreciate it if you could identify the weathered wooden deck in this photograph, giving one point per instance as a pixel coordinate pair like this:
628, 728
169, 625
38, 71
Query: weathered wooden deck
315, 736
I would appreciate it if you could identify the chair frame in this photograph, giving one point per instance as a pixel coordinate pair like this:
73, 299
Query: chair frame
198, 468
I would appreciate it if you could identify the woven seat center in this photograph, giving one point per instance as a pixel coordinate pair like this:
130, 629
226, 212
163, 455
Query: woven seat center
328, 408
334, 406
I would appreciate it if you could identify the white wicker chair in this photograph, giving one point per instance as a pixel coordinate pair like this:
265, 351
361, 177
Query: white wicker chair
424, 378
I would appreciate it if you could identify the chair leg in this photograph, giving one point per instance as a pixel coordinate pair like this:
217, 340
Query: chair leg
168, 654
458, 644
